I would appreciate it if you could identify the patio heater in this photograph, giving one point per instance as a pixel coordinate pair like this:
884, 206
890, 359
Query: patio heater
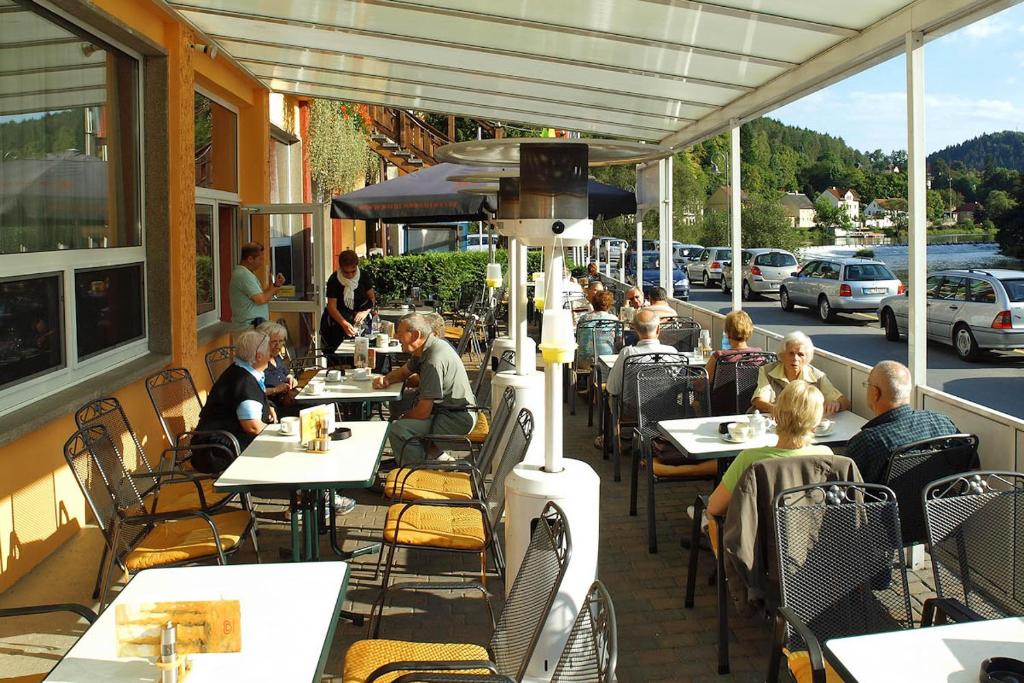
552, 213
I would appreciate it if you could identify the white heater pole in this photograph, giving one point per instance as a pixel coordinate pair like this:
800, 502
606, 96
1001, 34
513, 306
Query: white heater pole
553, 373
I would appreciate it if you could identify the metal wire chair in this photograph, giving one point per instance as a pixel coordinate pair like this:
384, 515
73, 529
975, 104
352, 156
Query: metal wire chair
219, 360
839, 568
665, 391
489, 508
116, 502
521, 623
975, 525
591, 651
912, 467
682, 333
735, 379
594, 337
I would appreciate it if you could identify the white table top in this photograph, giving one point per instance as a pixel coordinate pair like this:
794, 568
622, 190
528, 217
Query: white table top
275, 461
348, 348
699, 436
946, 654
608, 359
399, 312
289, 611
349, 389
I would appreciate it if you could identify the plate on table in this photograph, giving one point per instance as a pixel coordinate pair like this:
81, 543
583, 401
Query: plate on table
728, 437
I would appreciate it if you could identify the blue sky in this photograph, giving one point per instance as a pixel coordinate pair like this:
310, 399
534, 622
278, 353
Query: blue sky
974, 84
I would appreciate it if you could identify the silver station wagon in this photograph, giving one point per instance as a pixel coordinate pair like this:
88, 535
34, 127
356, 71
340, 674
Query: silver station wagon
973, 310
833, 285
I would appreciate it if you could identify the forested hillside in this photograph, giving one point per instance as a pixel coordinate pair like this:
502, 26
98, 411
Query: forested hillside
1001, 150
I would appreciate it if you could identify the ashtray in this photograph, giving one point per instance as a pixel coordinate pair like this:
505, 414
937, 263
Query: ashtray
1002, 670
341, 433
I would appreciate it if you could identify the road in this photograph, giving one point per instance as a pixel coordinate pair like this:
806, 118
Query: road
996, 382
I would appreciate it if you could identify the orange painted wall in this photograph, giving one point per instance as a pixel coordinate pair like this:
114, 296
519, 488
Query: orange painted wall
40, 503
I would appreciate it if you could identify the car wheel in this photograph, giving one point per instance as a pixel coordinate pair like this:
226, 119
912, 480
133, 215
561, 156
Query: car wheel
707, 280
784, 301
892, 330
965, 344
825, 311
747, 293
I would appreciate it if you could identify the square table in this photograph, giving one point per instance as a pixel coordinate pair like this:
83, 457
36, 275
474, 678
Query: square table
274, 461
289, 613
951, 654
348, 348
349, 390
397, 313
699, 437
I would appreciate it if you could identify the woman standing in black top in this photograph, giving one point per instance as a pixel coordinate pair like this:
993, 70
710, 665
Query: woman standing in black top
350, 298
237, 406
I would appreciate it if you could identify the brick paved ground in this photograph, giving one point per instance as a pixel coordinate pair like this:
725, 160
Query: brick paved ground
659, 640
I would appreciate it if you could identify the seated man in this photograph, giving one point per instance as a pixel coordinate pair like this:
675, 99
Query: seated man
236, 404
444, 389
895, 424
659, 303
635, 298
647, 325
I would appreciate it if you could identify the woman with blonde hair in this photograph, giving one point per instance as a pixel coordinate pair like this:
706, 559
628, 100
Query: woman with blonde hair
798, 410
738, 328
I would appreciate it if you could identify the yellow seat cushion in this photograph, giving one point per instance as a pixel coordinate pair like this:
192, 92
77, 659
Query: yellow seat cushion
460, 528
30, 678
480, 429
697, 469
187, 539
799, 663
451, 332
429, 485
366, 656
183, 496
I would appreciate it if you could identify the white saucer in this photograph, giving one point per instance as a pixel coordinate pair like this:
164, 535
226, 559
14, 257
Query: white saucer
728, 437
830, 432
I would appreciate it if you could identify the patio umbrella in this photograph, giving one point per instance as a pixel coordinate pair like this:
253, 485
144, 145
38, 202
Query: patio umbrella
427, 196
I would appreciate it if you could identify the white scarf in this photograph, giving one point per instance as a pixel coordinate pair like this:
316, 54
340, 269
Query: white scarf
350, 287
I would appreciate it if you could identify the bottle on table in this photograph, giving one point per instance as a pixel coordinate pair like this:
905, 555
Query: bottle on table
725, 340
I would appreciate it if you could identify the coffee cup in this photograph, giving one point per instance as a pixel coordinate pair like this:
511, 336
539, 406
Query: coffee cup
824, 426
739, 431
361, 373
334, 375
315, 387
382, 341
290, 426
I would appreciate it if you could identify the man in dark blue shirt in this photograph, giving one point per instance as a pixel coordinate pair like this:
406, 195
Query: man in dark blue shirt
895, 424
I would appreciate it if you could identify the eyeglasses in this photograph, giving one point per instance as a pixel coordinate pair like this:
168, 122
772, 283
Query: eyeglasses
867, 384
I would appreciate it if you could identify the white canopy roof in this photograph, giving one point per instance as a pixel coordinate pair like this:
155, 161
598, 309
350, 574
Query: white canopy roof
674, 71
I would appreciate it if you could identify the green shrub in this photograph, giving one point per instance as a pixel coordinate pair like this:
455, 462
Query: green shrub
441, 274
865, 253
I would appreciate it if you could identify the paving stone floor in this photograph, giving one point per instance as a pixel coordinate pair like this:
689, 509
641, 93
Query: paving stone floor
659, 640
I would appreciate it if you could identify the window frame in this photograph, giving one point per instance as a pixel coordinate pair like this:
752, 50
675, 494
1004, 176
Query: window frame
67, 262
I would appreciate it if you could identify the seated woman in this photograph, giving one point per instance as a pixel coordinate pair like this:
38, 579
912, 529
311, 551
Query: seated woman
738, 328
237, 404
350, 298
795, 356
278, 377
798, 410
602, 303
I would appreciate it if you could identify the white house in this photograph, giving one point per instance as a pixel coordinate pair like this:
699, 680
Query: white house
882, 212
845, 198
799, 209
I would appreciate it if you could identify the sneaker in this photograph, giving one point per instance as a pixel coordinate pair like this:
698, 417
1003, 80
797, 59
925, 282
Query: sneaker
446, 457
599, 441
343, 504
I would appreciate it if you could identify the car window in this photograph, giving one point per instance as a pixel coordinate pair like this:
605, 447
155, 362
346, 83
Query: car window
776, 259
981, 292
868, 271
723, 254
1014, 289
932, 284
828, 271
810, 269
705, 255
745, 257
952, 289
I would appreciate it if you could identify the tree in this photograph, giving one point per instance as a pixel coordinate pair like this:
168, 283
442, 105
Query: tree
828, 215
936, 207
764, 224
998, 204
715, 228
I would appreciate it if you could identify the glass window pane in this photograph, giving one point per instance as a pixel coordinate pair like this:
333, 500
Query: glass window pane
982, 291
216, 145
205, 298
31, 338
108, 308
68, 139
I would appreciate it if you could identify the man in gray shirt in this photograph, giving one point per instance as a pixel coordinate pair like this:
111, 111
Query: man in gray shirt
444, 389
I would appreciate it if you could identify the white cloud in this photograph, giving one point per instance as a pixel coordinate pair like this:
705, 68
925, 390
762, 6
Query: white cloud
986, 28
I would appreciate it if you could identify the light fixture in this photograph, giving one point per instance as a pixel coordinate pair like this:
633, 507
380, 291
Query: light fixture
88, 49
209, 50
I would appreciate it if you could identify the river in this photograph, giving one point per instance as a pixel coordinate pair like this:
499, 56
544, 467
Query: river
940, 256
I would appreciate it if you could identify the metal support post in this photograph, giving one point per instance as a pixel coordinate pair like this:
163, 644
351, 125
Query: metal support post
736, 206
553, 374
917, 196
522, 367
665, 223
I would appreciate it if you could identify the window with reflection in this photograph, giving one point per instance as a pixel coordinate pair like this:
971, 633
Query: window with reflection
206, 299
68, 139
216, 145
31, 340
109, 311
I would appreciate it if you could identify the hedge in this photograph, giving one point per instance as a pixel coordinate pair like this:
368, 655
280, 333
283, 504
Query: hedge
440, 274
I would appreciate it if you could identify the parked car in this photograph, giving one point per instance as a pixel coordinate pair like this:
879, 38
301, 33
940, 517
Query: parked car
973, 310
681, 253
706, 266
608, 248
652, 276
478, 242
833, 284
763, 270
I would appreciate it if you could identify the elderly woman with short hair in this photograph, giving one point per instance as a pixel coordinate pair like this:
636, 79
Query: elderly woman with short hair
278, 377
237, 404
795, 356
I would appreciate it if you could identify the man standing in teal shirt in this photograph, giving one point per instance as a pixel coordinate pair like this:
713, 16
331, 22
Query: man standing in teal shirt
249, 298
